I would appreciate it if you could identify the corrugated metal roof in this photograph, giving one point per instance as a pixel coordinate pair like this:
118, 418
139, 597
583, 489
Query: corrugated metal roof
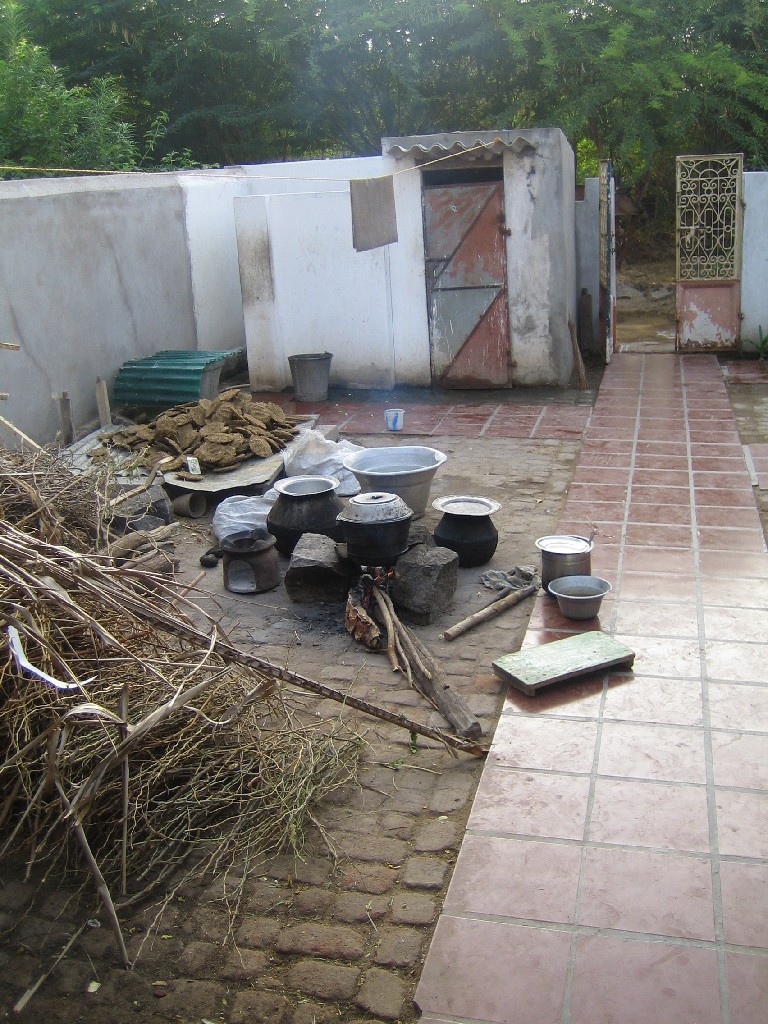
479, 144
171, 377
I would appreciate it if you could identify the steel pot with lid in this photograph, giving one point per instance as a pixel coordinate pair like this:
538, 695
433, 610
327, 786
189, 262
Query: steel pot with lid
376, 528
564, 555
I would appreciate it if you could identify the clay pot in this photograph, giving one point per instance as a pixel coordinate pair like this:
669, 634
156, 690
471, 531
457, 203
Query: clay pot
466, 528
305, 504
250, 562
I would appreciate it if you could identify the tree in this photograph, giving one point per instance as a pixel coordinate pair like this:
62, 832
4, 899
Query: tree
43, 123
643, 80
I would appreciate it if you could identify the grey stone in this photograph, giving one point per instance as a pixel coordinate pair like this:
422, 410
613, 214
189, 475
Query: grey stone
424, 583
382, 993
316, 572
134, 512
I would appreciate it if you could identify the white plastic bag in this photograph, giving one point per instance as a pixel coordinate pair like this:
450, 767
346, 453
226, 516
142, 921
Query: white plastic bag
242, 512
312, 454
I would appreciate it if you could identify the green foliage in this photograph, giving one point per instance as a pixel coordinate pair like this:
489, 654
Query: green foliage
635, 81
748, 347
43, 123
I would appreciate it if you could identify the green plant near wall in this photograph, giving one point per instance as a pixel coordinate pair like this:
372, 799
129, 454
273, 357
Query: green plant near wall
749, 348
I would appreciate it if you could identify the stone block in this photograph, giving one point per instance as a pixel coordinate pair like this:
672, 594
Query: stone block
424, 583
136, 512
382, 993
323, 980
331, 942
317, 573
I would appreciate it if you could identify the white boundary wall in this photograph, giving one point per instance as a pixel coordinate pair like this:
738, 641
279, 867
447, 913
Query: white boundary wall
95, 271
754, 262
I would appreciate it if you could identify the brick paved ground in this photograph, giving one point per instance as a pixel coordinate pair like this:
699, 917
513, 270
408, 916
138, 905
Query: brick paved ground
321, 939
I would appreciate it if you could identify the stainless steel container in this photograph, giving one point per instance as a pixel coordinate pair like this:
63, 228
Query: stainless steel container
564, 555
405, 470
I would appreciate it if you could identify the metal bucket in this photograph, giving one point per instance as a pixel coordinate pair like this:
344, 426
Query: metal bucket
564, 555
310, 372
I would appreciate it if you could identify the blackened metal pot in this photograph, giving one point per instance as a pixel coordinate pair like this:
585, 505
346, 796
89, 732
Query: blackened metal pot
305, 504
376, 527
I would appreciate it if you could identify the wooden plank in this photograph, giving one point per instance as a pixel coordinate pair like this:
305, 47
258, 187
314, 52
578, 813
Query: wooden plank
533, 669
102, 401
67, 426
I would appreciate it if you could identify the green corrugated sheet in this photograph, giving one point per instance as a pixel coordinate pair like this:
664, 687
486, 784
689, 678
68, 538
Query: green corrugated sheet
172, 377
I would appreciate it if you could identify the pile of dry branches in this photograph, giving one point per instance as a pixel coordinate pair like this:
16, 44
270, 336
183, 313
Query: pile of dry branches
132, 736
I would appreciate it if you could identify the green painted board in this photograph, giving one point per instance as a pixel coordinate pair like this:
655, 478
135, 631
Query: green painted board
532, 669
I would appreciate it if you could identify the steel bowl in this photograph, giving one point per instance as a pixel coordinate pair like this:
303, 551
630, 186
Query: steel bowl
579, 597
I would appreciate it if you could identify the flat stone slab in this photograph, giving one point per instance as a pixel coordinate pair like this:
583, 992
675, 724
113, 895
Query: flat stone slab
532, 670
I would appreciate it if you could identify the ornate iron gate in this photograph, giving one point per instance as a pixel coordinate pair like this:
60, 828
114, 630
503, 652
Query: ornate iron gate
708, 241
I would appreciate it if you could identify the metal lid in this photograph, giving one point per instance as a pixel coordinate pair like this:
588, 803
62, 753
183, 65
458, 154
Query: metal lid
375, 507
564, 544
466, 505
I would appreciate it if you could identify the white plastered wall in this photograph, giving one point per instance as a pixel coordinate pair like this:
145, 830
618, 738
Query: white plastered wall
754, 274
306, 289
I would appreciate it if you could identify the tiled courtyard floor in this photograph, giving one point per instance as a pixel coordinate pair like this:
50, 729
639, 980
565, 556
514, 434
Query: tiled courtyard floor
614, 867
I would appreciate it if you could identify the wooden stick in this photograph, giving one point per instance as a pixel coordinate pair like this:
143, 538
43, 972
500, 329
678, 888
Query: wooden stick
10, 345
580, 371
20, 433
102, 401
490, 611
67, 428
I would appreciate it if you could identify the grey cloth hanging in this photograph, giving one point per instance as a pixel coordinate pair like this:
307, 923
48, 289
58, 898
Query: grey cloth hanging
374, 221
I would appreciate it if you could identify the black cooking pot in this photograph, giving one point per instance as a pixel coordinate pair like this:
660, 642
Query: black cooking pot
376, 528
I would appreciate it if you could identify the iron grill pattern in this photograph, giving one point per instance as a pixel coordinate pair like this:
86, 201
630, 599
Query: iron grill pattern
708, 208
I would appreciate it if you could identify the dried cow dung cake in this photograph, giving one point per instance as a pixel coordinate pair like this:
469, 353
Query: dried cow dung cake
220, 433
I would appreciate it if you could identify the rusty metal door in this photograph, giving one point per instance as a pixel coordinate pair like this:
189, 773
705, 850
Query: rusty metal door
708, 237
465, 249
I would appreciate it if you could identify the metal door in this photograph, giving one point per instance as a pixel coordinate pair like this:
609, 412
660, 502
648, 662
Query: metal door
607, 309
465, 248
708, 238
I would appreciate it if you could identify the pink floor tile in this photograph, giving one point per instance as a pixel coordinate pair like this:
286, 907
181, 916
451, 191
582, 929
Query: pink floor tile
657, 752
727, 538
735, 624
657, 815
515, 878
649, 618
657, 535
649, 586
735, 662
733, 563
664, 656
648, 699
616, 981
544, 804
740, 759
517, 974
742, 823
743, 889
747, 988
573, 698
738, 706
677, 561
678, 515
544, 743
654, 893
